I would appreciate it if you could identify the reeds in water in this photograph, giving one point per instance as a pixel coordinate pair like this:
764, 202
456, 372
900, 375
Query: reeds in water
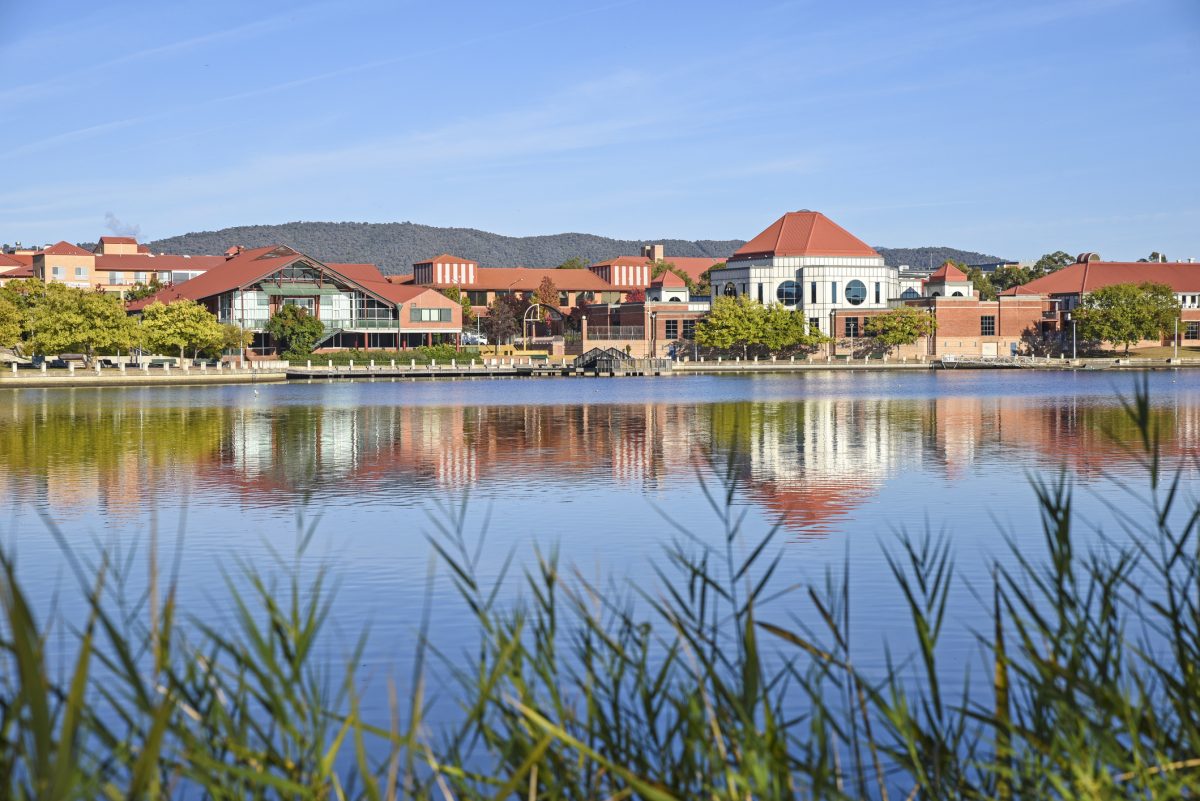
700, 687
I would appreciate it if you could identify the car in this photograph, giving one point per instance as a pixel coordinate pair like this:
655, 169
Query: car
471, 338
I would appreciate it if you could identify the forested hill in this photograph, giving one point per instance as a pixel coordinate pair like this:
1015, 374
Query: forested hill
396, 246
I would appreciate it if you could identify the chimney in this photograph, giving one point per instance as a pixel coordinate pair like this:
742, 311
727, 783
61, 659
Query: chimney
653, 252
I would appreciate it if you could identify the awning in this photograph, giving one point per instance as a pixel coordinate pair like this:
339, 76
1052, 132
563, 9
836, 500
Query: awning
299, 290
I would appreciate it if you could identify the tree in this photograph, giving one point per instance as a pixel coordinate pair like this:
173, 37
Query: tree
1009, 276
107, 326
547, 293
296, 331
10, 324
732, 323
1051, 262
233, 337
1125, 314
982, 284
456, 294
503, 318
574, 263
1155, 256
143, 289
180, 325
900, 326
704, 287
636, 296
784, 330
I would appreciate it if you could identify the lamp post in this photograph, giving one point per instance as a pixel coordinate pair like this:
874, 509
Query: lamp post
1175, 339
1074, 339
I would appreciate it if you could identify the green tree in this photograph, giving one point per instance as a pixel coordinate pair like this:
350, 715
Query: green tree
704, 286
574, 263
1009, 276
1155, 256
900, 326
732, 323
982, 283
143, 289
460, 297
784, 330
108, 328
10, 323
62, 319
295, 330
1051, 262
1125, 314
233, 337
182, 325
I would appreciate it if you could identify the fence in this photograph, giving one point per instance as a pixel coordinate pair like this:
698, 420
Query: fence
616, 332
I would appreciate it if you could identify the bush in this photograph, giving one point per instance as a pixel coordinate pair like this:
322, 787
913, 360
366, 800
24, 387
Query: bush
423, 354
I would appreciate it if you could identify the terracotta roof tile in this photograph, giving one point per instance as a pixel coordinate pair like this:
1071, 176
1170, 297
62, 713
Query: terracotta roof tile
804, 233
446, 258
949, 273
1083, 277
118, 240
66, 249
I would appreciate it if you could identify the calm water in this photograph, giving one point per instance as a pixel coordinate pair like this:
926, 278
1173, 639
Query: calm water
842, 462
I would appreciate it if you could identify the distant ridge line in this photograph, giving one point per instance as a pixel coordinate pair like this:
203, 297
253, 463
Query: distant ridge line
396, 246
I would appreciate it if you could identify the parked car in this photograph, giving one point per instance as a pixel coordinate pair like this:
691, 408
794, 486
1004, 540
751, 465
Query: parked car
471, 338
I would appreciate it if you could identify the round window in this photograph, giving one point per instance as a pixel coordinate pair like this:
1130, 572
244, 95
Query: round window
856, 292
730, 290
788, 293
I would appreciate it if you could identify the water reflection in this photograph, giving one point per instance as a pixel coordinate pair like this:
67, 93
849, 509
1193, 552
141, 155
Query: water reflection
808, 462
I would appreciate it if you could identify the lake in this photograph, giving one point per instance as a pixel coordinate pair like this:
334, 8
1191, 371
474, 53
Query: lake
608, 470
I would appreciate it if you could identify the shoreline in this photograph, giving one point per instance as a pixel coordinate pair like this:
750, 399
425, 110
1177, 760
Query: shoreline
278, 375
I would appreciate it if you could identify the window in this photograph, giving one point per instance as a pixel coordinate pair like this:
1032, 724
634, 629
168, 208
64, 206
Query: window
674, 299
814, 323
114, 279
730, 290
788, 293
672, 329
308, 304
564, 299
1191, 329
851, 326
59, 272
877, 292
689, 329
419, 315
987, 326
812, 292
81, 272
139, 277
760, 293
833, 292
477, 298
856, 292
957, 295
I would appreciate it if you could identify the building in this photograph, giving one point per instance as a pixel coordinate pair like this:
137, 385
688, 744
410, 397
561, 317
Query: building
636, 272
358, 306
1068, 286
65, 263
966, 326
114, 265
811, 265
14, 266
482, 285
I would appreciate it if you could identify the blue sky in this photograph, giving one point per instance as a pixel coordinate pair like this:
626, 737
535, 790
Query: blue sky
1009, 127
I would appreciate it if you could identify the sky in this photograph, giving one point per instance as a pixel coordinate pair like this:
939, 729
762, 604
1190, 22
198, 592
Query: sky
1011, 127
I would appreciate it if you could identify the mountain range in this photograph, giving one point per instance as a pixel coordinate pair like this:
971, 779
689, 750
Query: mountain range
396, 246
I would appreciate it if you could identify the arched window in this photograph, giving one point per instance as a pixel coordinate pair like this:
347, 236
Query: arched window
730, 290
673, 299
788, 293
856, 292
937, 294
957, 295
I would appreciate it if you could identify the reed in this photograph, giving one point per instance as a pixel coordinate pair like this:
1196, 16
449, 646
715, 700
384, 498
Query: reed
706, 685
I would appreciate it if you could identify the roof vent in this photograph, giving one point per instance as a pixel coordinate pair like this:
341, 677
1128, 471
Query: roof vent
1083, 258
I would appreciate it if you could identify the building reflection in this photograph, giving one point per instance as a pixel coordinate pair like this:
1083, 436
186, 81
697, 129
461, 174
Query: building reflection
807, 463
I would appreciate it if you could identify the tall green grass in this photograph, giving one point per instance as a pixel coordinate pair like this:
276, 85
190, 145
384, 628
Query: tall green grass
722, 681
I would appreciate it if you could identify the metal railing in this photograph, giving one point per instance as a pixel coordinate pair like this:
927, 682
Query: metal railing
616, 332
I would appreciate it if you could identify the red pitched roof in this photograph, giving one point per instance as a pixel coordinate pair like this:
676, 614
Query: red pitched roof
804, 233
7, 262
146, 263
65, 249
118, 240
669, 279
948, 272
1083, 277
446, 258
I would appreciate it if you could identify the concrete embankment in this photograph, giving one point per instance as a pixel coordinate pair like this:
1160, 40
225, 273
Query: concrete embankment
26, 379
